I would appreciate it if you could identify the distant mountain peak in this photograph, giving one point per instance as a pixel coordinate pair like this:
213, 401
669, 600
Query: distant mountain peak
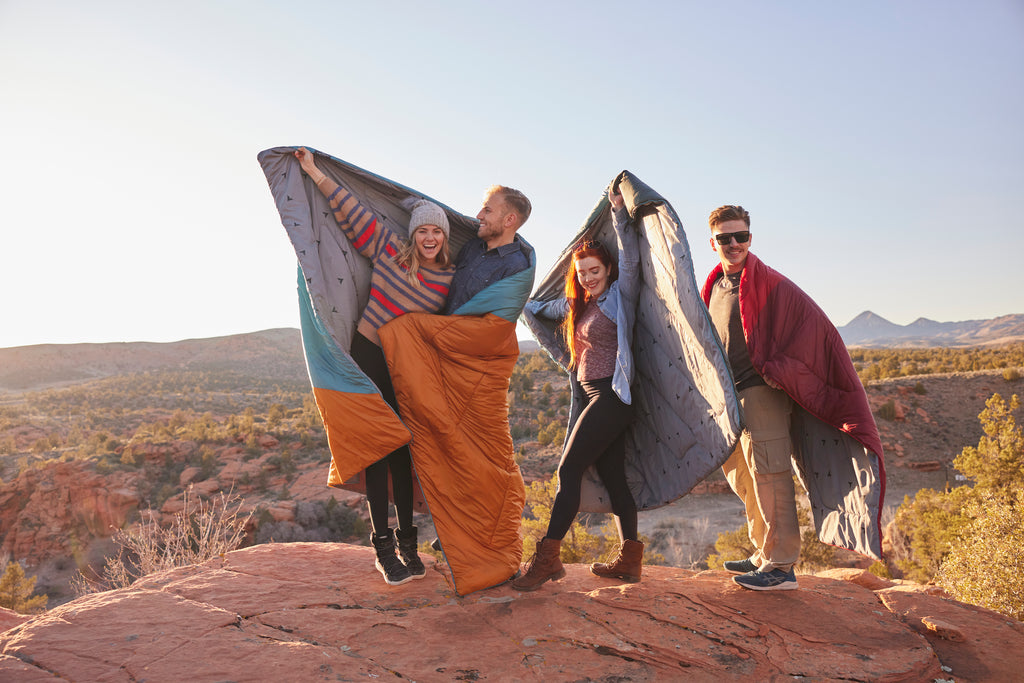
868, 320
867, 317
869, 329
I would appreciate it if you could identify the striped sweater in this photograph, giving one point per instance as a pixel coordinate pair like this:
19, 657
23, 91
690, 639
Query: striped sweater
391, 293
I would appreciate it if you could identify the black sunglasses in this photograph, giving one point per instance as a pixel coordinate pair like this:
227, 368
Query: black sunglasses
725, 238
588, 244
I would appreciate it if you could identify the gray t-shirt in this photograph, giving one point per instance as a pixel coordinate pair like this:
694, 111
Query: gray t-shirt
725, 315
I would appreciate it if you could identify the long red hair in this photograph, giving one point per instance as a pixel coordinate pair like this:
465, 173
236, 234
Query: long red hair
576, 295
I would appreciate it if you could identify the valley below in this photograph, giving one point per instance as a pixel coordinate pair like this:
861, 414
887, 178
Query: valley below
95, 438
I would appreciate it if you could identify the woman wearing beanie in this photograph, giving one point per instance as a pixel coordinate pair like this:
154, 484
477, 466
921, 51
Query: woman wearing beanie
408, 276
596, 314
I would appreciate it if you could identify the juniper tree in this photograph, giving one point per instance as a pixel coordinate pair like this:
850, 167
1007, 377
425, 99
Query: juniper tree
16, 591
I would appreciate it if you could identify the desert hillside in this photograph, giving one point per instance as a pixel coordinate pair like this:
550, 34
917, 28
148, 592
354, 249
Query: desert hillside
95, 437
271, 354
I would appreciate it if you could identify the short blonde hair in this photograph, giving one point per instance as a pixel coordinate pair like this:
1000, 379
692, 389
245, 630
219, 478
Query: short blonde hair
516, 200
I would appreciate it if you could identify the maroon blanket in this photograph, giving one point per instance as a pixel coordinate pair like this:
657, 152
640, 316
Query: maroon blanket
794, 346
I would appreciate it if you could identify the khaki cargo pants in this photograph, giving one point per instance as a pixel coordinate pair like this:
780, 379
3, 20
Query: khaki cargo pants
760, 473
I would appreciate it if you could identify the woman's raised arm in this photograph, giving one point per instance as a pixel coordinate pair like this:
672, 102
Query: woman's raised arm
357, 221
629, 246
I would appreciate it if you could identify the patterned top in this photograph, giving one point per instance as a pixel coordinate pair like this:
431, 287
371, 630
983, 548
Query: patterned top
596, 344
391, 294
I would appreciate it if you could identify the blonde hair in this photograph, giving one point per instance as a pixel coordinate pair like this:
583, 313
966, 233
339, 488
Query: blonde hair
409, 259
515, 199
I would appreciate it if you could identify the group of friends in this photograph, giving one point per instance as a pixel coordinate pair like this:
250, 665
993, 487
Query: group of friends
419, 274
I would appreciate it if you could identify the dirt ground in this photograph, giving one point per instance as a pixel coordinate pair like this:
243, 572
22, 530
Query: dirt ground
936, 417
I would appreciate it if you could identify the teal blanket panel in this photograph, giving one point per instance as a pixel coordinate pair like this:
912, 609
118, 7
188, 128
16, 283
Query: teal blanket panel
329, 367
504, 298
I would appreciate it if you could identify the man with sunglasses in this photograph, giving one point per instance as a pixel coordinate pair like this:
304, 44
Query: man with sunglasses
791, 368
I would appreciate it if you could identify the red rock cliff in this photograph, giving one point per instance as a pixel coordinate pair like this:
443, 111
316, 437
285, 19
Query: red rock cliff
312, 612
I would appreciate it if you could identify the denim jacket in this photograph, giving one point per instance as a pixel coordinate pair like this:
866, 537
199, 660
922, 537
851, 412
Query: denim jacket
617, 303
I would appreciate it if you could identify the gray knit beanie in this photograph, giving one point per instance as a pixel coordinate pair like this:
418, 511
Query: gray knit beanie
428, 213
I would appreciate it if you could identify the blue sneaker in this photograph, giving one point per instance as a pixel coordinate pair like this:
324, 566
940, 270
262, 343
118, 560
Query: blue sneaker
775, 580
740, 566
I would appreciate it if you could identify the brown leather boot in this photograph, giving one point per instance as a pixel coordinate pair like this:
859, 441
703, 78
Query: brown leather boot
545, 564
626, 566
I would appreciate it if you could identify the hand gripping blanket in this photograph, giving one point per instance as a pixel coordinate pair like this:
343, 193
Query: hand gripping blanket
687, 411
450, 373
837, 451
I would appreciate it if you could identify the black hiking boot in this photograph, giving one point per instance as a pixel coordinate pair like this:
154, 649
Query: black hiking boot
387, 563
408, 552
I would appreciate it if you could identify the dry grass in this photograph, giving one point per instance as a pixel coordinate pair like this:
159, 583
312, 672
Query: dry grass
204, 529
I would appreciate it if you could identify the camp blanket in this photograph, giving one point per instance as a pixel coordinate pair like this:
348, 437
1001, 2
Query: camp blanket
836, 448
451, 377
687, 411
473, 488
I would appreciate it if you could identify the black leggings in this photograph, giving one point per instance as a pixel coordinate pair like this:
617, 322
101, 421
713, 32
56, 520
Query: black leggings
370, 359
598, 439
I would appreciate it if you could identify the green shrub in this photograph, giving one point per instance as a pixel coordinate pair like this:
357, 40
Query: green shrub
731, 545
984, 567
997, 463
887, 411
814, 555
16, 591
880, 570
129, 458
552, 432
968, 539
874, 364
579, 545
924, 531
736, 545
520, 430
207, 462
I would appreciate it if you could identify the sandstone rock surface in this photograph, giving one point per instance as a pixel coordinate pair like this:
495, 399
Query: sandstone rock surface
320, 612
44, 509
10, 619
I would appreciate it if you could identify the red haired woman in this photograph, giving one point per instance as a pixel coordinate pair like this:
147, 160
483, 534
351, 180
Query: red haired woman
597, 315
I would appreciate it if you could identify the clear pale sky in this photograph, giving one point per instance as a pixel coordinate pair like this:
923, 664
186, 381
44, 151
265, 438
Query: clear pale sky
878, 145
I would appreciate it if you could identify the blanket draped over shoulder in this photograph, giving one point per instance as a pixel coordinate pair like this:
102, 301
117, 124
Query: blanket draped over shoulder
451, 376
837, 450
450, 372
687, 411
